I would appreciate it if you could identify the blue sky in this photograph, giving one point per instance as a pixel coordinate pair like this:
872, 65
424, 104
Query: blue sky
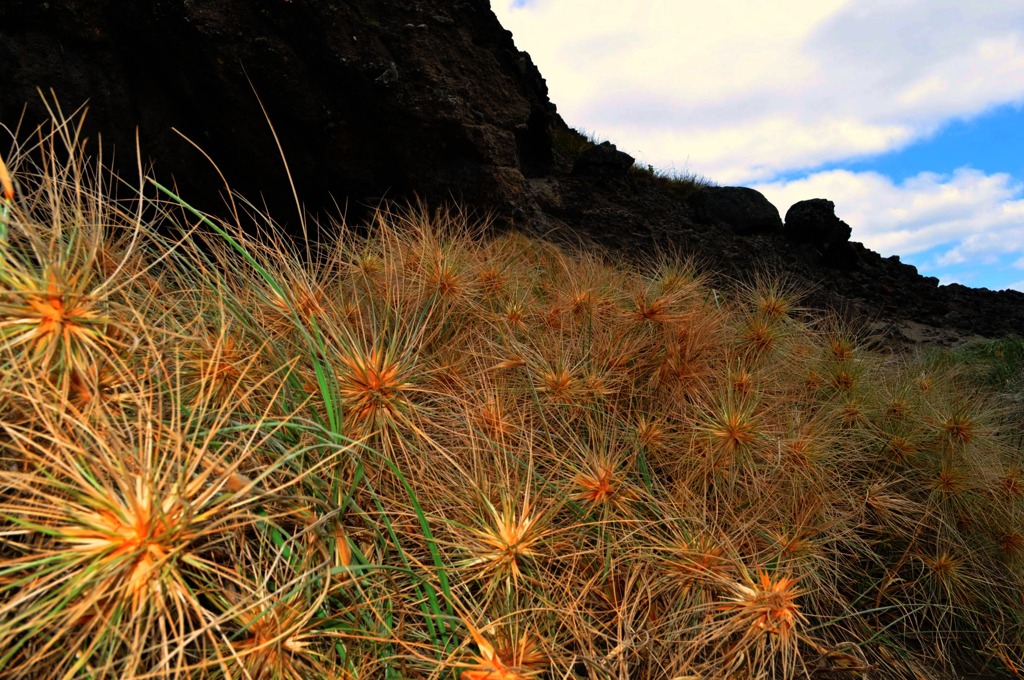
908, 114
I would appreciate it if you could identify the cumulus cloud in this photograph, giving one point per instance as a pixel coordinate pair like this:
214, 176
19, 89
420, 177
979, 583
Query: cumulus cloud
968, 215
741, 91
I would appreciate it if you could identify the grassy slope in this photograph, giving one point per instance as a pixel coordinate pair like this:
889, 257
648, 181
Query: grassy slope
430, 454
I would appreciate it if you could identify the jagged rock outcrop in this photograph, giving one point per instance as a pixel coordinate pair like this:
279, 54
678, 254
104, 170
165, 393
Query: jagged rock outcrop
395, 99
814, 222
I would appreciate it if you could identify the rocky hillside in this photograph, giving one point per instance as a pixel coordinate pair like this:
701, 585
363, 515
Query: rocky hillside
395, 98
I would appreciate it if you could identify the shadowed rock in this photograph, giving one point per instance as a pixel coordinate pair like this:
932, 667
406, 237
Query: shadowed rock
369, 99
602, 160
814, 222
745, 210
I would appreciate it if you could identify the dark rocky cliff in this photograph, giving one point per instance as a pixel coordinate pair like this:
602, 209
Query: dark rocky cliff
372, 98
395, 98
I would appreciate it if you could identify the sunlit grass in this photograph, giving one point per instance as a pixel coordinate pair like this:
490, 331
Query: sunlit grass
423, 450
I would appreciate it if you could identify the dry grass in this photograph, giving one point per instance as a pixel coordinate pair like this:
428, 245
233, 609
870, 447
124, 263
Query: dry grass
426, 452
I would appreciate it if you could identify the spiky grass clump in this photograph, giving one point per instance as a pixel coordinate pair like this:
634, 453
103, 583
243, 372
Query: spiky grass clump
757, 628
60, 317
114, 539
421, 451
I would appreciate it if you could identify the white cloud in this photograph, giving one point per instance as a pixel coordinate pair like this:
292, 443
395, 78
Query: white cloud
745, 92
741, 91
978, 217
1019, 285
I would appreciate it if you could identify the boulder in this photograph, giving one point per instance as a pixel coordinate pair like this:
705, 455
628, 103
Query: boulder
603, 160
743, 209
814, 222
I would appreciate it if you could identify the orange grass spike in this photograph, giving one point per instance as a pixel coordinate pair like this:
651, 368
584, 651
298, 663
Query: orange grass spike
489, 665
8, 188
5, 182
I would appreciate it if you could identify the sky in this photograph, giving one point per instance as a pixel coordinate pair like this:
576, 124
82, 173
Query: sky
908, 114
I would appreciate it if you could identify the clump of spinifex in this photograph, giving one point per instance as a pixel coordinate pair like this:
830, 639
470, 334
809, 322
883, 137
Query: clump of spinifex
425, 450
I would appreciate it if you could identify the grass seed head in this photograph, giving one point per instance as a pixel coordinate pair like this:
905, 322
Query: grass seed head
732, 427
651, 432
602, 483
959, 428
758, 628
901, 449
506, 541
1011, 543
760, 335
53, 323
374, 386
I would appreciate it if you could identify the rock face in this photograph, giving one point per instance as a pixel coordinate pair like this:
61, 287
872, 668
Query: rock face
369, 98
398, 99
